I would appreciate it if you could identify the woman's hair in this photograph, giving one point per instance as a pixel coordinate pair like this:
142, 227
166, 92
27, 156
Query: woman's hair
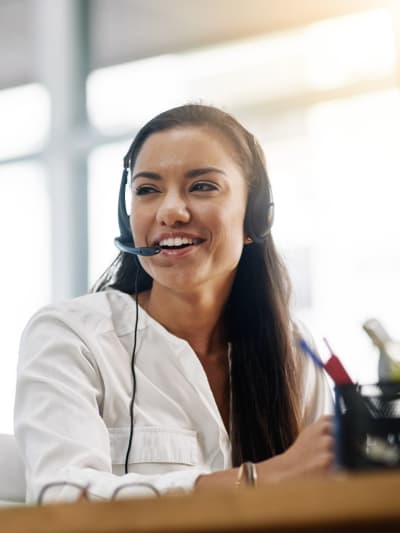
264, 379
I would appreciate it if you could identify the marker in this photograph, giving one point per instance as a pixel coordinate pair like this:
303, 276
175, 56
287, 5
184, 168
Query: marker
335, 368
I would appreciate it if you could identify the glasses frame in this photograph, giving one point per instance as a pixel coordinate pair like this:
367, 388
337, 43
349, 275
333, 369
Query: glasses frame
83, 495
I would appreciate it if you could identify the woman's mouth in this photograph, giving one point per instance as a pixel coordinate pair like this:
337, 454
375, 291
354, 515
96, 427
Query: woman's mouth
177, 245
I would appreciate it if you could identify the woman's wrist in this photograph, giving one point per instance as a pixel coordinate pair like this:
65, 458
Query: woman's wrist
222, 479
268, 471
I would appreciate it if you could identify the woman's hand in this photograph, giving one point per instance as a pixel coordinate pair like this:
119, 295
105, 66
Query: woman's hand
311, 454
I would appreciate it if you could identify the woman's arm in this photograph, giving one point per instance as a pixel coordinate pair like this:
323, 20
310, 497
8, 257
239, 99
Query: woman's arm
310, 455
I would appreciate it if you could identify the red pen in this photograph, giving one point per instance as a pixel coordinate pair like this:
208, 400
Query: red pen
335, 368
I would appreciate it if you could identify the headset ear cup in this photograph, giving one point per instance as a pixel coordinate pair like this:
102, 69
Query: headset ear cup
259, 215
270, 217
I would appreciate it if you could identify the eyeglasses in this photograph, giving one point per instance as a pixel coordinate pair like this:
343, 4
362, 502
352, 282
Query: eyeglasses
78, 492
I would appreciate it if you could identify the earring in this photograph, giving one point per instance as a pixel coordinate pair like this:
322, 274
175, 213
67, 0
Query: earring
248, 240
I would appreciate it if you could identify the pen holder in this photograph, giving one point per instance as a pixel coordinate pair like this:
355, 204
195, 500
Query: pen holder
367, 426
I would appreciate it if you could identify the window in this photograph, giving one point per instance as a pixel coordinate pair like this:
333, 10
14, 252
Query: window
25, 118
25, 266
105, 173
323, 100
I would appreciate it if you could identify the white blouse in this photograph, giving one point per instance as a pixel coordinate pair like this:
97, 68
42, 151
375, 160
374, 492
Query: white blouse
73, 393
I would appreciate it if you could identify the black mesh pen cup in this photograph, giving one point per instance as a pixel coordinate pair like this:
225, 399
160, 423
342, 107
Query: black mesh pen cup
367, 426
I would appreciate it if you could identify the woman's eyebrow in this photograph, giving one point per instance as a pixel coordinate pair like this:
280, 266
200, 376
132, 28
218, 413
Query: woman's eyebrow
195, 172
146, 174
192, 173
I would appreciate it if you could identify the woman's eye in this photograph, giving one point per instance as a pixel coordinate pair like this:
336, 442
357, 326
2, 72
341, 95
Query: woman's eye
204, 186
144, 189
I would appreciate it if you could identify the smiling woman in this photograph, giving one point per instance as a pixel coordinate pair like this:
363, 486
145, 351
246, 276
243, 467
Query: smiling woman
181, 369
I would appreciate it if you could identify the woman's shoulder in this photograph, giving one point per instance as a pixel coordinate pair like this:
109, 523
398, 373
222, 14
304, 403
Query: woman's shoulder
97, 312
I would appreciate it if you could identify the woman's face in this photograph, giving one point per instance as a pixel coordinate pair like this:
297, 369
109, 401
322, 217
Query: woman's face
189, 196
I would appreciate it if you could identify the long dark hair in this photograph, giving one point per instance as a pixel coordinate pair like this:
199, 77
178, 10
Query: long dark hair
264, 375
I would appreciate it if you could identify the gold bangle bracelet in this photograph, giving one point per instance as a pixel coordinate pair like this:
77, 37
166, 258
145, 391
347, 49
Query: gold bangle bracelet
247, 471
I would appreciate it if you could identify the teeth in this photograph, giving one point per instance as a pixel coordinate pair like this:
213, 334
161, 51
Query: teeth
176, 241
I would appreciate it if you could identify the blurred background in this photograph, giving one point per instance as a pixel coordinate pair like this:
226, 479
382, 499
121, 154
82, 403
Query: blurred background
318, 82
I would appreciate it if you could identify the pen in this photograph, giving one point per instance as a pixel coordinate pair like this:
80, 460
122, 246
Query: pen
335, 368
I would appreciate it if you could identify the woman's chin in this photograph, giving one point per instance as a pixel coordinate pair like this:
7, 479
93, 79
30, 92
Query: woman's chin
180, 282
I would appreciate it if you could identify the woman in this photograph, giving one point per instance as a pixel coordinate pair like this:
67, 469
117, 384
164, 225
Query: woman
182, 365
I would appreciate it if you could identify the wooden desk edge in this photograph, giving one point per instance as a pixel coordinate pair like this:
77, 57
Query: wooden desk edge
358, 501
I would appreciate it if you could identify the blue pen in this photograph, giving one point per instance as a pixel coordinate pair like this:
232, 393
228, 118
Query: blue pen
304, 346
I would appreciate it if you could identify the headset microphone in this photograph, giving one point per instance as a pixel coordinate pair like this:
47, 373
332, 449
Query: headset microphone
137, 250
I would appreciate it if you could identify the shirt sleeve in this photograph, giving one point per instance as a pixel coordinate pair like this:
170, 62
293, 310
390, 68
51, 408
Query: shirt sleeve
58, 423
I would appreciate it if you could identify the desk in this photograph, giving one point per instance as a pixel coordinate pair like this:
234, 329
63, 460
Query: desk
362, 502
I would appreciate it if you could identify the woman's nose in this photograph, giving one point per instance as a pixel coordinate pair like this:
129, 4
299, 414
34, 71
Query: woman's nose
173, 210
